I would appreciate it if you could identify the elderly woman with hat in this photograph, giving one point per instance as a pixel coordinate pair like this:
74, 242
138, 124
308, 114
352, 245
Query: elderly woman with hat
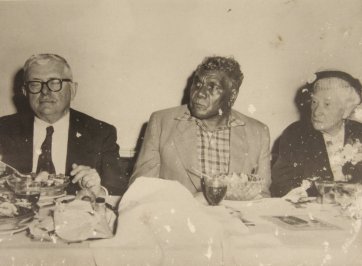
328, 145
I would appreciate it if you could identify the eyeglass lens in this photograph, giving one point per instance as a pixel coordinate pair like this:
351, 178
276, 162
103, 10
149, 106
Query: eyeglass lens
52, 84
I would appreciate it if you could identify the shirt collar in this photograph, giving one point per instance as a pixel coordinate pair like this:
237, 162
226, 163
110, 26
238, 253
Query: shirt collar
338, 137
61, 123
233, 121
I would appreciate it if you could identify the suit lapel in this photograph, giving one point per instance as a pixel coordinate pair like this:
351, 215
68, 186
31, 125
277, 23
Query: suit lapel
77, 150
238, 150
24, 141
186, 146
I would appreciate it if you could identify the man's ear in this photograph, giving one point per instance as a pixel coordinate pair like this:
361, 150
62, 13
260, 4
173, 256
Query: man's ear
233, 96
25, 93
73, 90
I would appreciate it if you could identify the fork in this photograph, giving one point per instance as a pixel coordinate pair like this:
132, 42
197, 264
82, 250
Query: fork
14, 169
240, 216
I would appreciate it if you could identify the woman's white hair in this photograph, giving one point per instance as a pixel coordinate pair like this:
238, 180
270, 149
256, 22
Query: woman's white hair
346, 93
349, 89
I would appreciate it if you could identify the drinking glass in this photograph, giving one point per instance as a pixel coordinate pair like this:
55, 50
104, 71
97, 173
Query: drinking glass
344, 194
326, 190
349, 197
27, 189
214, 189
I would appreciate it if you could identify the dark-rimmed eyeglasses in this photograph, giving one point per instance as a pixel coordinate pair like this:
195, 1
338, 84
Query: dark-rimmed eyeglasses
35, 86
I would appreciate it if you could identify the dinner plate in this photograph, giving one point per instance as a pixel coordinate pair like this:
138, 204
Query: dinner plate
8, 224
51, 191
14, 231
49, 200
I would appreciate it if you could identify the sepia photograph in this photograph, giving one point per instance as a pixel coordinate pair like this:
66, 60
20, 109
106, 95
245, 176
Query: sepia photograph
181, 132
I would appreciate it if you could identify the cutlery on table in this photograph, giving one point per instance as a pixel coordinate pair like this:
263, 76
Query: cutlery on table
14, 169
239, 215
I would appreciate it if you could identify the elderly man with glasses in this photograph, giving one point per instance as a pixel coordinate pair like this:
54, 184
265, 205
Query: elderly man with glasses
57, 139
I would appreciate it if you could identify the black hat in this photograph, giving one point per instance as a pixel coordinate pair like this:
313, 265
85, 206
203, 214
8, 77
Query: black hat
353, 82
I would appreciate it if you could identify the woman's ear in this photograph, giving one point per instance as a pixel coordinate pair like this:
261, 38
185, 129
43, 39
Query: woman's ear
348, 110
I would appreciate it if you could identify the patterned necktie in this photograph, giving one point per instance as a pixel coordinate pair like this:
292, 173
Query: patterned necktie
45, 162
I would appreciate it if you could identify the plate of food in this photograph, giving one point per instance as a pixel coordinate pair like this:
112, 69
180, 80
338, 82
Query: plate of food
51, 185
15, 213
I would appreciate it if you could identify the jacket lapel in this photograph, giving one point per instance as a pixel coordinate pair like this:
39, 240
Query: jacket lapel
238, 150
186, 146
349, 135
78, 149
24, 144
319, 156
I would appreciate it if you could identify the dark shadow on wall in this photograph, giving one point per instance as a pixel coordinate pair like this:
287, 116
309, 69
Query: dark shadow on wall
186, 95
128, 163
185, 100
139, 143
302, 102
275, 151
20, 101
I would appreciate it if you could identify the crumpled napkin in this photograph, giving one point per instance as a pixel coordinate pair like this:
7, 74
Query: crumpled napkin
43, 229
299, 193
162, 221
73, 222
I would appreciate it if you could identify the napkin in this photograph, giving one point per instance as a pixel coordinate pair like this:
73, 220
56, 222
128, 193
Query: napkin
76, 221
299, 193
161, 220
42, 229
73, 222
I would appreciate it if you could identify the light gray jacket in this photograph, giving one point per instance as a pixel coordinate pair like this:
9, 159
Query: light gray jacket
169, 150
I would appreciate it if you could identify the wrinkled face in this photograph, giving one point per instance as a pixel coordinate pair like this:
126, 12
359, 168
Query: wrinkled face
327, 107
48, 105
210, 91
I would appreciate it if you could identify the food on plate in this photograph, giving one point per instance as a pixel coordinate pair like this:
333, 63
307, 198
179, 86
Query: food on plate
49, 180
50, 184
8, 209
12, 207
2, 181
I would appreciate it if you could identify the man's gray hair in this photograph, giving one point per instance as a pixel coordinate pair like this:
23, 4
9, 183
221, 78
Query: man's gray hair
227, 65
41, 59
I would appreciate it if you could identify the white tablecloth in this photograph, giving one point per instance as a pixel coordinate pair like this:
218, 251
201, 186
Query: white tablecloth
263, 242
160, 223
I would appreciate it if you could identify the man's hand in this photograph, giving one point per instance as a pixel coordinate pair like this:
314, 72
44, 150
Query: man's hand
86, 177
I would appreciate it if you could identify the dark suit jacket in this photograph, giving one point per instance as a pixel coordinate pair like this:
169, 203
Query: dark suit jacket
302, 154
169, 150
90, 142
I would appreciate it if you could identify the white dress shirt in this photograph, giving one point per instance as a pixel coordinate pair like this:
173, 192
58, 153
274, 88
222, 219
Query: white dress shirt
59, 142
